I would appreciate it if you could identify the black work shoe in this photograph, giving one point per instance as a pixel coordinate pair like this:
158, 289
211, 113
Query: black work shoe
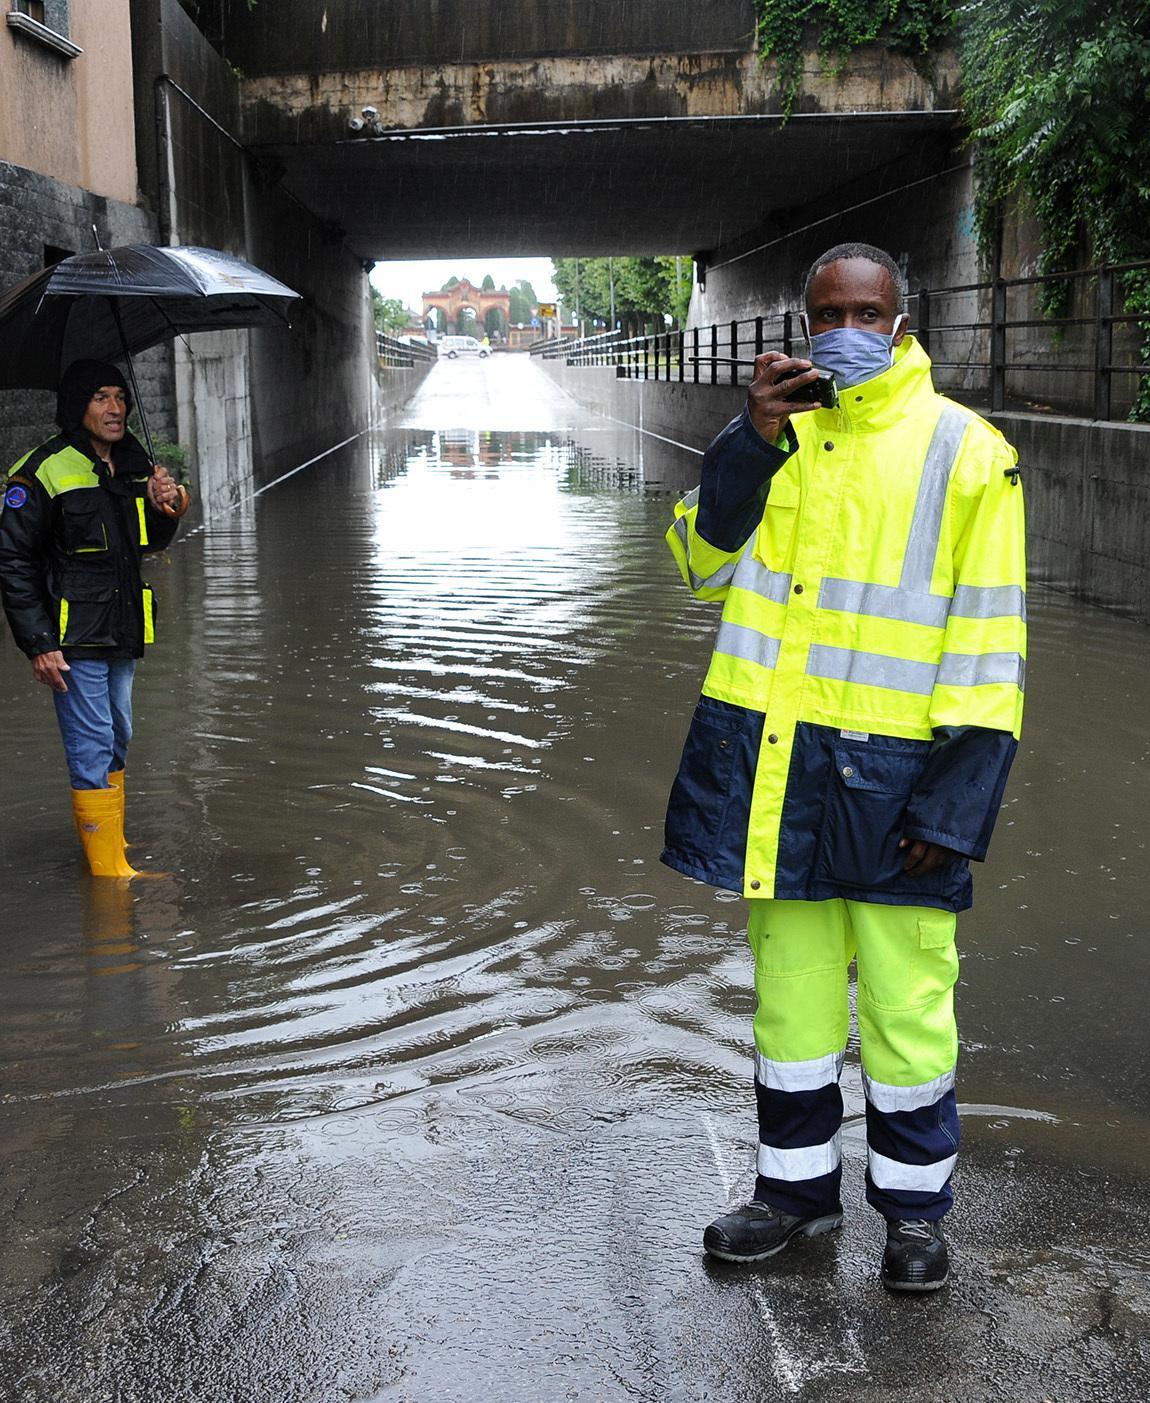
915, 1258
757, 1230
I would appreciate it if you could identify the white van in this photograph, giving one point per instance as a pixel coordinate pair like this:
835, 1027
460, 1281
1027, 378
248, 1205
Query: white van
452, 346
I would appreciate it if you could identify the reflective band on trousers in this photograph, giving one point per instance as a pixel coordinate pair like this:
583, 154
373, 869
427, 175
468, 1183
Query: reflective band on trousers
720, 577
902, 675
888, 1099
914, 1178
799, 1076
807, 1162
746, 643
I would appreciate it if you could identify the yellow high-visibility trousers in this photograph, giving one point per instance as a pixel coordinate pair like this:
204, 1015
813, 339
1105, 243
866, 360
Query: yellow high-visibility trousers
907, 969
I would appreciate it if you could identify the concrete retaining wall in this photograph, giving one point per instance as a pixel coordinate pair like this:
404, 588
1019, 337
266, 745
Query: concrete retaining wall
1087, 506
1087, 483
252, 404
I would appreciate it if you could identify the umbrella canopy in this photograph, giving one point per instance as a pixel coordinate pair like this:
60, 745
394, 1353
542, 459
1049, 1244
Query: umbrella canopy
121, 300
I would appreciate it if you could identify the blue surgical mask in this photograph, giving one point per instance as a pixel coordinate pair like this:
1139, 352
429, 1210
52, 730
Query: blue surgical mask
852, 354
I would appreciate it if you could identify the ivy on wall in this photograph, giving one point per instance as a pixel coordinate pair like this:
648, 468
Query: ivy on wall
911, 27
1057, 95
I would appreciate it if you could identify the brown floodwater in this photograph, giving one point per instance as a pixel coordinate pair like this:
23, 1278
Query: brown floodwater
417, 1076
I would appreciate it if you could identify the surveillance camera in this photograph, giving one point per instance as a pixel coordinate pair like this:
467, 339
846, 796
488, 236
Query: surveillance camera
370, 112
356, 124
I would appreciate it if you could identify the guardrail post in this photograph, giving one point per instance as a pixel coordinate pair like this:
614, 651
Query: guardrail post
714, 353
758, 336
647, 358
695, 355
680, 337
998, 346
734, 352
1103, 341
924, 319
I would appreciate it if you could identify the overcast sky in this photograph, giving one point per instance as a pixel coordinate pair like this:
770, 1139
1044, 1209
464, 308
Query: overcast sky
409, 281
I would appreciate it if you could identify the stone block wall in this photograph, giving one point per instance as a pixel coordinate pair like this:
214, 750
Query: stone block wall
38, 213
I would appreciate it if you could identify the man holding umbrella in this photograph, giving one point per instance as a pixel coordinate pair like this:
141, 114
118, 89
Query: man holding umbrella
80, 511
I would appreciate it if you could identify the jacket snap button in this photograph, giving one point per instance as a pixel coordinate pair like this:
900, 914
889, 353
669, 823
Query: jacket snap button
722, 745
798, 589
828, 445
756, 884
848, 771
773, 739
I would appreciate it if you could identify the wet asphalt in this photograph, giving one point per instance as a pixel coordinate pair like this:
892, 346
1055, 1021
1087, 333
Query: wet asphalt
416, 1077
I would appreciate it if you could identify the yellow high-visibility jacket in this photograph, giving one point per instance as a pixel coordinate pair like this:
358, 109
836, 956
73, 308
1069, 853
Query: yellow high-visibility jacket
867, 678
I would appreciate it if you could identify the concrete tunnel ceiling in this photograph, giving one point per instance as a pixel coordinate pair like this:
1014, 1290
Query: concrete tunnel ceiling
661, 185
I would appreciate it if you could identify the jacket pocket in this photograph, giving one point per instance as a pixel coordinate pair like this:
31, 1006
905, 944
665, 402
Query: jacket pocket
869, 789
712, 791
84, 529
777, 527
87, 613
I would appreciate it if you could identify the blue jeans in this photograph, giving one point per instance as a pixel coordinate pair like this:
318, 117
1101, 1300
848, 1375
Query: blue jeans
95, 718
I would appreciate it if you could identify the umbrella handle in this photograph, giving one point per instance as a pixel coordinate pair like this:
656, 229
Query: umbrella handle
177, 509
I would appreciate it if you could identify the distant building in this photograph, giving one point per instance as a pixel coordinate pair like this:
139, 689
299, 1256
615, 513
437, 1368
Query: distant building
468, 310
67, 162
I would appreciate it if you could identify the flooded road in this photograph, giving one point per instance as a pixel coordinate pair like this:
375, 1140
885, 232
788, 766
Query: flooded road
417, 1077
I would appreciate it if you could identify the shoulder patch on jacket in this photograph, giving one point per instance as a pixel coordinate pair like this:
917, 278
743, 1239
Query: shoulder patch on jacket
16, 495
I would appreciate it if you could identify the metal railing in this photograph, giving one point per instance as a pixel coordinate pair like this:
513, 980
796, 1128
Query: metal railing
394, 354
988, 341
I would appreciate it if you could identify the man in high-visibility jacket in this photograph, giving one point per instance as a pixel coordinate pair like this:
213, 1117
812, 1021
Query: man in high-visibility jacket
849, 752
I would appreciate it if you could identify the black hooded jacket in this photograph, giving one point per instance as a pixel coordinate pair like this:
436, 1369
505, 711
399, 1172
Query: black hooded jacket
72, 536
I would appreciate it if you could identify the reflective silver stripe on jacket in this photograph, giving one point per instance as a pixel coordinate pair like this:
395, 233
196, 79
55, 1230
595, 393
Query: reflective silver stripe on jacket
915, 1178
754, 576
719, 577
903, 675
989, 602
887, 1098
799, 1076
872, 669
982, 669
884, 602
926, 524
807, 1162
747, 643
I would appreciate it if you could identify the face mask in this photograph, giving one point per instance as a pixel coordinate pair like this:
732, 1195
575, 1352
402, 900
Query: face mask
852, 354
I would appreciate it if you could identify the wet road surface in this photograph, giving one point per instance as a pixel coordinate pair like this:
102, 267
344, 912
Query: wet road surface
418, 1077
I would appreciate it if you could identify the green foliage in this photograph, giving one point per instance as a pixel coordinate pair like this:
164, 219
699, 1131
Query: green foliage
488, 283
646, 289
1058, 97
523, 302
390, 313
174, 457
912, 27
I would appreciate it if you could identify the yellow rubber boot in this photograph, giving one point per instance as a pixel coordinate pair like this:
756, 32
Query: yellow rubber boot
116, 781
99, 815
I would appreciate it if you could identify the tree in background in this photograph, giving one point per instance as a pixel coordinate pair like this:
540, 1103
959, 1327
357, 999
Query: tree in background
647, 290
390, 313
1067, 130
523, 302
488, 283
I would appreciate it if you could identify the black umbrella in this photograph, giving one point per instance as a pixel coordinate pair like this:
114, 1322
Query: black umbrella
109, 304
